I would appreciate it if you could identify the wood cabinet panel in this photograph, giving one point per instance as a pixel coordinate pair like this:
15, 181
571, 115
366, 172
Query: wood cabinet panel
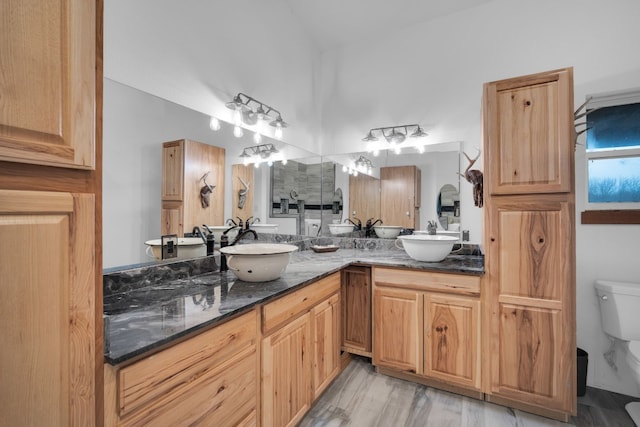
48, 348
400, 191
172, 170
289, 306
286, 373
427, 281
171, 218
221, 395
452, 341
364, 197
325, 319
356, 310
529, 121
48, 83
398, 322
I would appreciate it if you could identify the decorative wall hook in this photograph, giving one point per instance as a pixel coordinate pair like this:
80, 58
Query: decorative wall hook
205, 191
242, 193
474, 177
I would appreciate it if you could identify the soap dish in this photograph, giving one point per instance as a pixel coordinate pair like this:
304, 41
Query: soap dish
327, 248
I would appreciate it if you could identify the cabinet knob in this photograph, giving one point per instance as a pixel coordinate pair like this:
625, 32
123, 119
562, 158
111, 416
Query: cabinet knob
493, 239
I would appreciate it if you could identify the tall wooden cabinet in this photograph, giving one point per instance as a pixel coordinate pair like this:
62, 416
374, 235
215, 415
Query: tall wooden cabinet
529, 309
364, 197
50, 213
400, 190
184, 164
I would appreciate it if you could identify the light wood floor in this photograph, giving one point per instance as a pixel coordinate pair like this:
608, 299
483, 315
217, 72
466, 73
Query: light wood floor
362, 397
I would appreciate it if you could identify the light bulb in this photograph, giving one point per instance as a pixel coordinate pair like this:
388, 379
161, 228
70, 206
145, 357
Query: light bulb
237, 117
376, 152
259, 125
397, 149
278, 132
237, 131
245, 161
355, 173
421, 149
257, 164
270, 162
344, 168
214, 124
257, 138
284, 161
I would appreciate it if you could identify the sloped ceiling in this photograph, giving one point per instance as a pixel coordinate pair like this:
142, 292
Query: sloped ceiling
334, 23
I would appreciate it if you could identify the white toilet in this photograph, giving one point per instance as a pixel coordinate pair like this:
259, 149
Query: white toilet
619, 308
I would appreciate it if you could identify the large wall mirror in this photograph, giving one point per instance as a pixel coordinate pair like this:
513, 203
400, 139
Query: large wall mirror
137, 123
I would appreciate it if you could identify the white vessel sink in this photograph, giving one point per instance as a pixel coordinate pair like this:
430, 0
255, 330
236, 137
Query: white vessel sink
387, 231
188, 247
258, 262
426, 247
340, 228
455, 234
264, 228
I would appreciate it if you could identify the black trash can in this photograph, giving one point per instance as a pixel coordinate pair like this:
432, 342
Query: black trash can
583, 360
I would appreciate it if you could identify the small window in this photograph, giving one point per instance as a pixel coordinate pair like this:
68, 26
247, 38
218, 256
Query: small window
613, 151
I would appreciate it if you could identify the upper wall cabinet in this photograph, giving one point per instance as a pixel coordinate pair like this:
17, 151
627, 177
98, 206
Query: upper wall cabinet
192, 186
48, 87
529, 121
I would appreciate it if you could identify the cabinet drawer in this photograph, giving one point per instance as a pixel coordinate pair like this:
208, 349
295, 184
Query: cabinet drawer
290, 306
427, 281
223, 395
175, 369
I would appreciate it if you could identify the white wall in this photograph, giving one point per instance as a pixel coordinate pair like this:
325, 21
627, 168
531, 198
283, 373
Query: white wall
430, 74
202, 53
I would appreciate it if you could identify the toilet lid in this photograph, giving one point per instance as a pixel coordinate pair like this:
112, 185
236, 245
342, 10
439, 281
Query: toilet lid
634, 349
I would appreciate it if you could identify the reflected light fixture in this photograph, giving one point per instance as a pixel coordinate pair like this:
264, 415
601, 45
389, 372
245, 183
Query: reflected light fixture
250, 111
258, 154
214, 124
394, 135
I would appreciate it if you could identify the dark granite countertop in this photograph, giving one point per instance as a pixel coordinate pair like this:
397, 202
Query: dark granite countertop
147, 308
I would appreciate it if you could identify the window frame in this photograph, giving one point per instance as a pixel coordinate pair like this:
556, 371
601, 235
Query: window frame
610, 213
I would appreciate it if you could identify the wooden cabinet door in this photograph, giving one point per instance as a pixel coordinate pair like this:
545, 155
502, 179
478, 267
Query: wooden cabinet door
397, 329
47, 308
286, 373
172, 170
325, 318
48, 83
531, 285
452, 339
171, 218
356, 310
364, 197
528, 125
399, 196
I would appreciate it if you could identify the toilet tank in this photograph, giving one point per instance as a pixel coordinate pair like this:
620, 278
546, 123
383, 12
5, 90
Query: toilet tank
619, 309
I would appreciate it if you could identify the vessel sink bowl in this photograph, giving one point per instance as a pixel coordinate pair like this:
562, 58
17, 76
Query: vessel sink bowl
387, 231
455, 234
258, 262
426, 247
188, 247
264, 228
217, 231
340, 228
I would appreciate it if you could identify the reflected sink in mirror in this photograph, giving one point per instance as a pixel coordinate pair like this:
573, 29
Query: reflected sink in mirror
387, 231
455, 234
426, 247
337, 229
258, 262
265, 228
